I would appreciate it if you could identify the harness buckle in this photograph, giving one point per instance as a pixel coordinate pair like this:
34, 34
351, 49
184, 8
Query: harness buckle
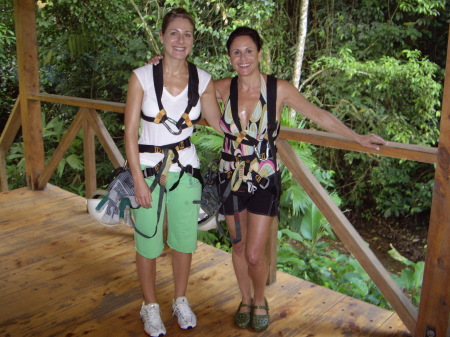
264, 183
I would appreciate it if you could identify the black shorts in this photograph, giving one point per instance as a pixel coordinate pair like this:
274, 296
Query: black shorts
253, 199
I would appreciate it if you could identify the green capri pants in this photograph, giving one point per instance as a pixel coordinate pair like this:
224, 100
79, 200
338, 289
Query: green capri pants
182, 216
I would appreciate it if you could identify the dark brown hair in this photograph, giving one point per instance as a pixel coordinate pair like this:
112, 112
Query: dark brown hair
245, 31
176, 13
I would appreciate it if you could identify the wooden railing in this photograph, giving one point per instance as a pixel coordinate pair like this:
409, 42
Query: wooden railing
88, 119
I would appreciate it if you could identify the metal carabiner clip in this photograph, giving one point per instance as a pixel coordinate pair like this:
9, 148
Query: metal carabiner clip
258, 155
174, 122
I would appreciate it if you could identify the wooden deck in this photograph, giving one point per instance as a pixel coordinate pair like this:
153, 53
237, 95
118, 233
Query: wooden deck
63, 274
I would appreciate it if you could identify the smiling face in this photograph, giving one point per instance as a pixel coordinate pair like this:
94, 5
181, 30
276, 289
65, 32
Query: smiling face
178, 38
244, 55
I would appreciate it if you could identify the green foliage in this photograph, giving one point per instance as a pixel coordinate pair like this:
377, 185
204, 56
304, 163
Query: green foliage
325, 267
410, 279
397, 99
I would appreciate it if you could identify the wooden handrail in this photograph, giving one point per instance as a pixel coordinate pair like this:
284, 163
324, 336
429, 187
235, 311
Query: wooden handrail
418, 153
80, 102
348, 235
395, 150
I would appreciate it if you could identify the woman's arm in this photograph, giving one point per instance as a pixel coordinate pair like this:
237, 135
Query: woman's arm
290, 96
210, 108
222, 89
133, 105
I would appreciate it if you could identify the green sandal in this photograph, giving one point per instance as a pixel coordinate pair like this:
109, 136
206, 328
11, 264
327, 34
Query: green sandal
260, 322
242, 319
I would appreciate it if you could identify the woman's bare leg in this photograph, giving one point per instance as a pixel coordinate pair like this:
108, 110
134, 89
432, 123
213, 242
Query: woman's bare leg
146, 269
181, 265
257, 231
239, 260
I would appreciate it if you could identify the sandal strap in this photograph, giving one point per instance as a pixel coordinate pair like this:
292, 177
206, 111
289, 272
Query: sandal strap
261, 307
265, 307
245, 305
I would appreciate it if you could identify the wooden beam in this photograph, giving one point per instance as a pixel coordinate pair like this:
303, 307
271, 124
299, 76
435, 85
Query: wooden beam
395, 150
61, 150
103, 135
81, 102
419, 153
11, 128
434, 310
271, 251
89, 156
26, 42
348, 235
6, 139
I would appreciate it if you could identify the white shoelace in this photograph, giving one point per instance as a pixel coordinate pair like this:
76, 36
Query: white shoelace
152, 317
184, 310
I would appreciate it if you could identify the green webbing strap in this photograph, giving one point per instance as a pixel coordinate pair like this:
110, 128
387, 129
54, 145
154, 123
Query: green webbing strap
167, 162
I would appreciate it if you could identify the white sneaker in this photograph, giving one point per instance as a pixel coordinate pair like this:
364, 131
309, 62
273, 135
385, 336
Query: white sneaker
151, 317
182, 309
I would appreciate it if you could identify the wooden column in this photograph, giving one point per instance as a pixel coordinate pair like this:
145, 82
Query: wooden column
89, 156
271, 251
27, 61
434, 310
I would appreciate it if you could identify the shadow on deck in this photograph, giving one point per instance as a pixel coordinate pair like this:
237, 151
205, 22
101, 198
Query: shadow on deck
63, 274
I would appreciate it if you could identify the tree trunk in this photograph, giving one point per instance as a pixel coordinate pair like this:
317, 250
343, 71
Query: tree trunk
302, 28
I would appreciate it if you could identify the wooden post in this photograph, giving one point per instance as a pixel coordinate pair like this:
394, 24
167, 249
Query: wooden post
271, 251
89, 156
27, 56
434, 310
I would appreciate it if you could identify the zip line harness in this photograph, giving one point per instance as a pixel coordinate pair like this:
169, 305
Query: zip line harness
243, 164
170, 151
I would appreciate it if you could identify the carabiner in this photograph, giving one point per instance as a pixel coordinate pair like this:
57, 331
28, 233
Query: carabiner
258, 155
174, 122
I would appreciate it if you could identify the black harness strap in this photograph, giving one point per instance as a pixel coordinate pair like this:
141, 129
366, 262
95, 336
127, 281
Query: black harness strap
185, 143
193, 97
175, 147
272, 127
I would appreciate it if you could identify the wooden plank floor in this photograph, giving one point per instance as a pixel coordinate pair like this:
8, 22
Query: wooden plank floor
63, 274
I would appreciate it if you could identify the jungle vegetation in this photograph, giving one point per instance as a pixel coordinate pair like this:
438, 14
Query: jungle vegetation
377, 65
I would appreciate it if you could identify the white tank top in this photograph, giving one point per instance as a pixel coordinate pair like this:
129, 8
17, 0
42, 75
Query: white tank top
157, 134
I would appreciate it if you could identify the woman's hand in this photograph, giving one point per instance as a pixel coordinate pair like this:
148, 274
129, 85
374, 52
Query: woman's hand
371, 141
155, 59
142, 193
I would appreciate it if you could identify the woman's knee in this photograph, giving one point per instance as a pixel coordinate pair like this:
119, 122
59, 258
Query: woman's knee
253, 258
239, 248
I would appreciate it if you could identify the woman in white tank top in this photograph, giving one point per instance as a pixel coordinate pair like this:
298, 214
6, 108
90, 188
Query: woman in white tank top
177, 36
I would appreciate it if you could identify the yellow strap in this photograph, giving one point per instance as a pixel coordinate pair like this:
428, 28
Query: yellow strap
187, 120
168, 160
240, 136
159, 116
238, 175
